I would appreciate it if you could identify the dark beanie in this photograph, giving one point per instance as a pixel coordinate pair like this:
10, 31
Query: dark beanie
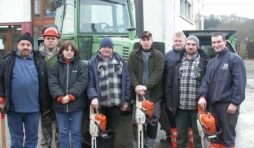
106, 42
27, 37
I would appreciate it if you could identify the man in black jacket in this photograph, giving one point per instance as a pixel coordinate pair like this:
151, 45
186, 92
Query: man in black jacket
181, 88
23, 86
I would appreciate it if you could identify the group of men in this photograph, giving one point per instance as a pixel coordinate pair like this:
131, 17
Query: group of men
192, 79
181, 80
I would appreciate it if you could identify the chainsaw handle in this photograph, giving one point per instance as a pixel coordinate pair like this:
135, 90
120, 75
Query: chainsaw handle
137, 97
201, 110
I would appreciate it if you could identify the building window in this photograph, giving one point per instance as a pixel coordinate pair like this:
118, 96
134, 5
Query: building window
37, 8
50, 10
37, 34
186, 9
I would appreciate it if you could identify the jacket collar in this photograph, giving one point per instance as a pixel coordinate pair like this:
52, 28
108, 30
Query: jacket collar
221, 53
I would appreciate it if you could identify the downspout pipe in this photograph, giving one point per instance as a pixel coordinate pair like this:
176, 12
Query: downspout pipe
139, 16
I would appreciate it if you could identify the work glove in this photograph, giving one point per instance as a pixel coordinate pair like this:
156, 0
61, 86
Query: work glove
71, 97
2, 102
95, 103
63, 99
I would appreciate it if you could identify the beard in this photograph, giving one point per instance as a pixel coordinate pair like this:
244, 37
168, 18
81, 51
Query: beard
25, 53
191, 52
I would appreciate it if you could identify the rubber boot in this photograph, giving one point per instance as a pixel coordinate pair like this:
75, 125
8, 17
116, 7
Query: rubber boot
190, 132
173, 137
215, 145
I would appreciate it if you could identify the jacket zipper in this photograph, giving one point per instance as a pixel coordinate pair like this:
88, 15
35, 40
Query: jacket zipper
67, 84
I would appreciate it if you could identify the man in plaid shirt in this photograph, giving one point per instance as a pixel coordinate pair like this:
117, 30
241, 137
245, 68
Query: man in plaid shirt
181, 88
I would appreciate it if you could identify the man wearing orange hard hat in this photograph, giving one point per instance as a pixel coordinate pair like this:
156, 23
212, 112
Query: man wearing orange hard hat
51, 36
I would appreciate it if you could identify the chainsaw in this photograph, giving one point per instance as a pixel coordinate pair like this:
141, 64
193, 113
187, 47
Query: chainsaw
144, 109
207, 127
97, 126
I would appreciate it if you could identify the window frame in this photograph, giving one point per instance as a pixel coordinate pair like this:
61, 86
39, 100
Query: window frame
186, 10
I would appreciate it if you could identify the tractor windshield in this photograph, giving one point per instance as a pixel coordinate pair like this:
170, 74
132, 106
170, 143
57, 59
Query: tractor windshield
65, 16
110, 16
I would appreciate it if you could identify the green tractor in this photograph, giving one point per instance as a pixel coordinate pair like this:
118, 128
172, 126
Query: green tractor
86, 22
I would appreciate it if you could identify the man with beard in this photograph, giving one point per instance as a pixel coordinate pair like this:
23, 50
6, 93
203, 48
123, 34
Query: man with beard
23, 85
183, 81
49, 52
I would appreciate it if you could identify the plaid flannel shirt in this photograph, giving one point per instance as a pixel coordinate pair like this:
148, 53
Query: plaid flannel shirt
110, 73
189, 76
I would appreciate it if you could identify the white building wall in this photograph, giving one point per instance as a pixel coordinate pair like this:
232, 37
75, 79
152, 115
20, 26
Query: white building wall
15, 11
163, 19
153, 18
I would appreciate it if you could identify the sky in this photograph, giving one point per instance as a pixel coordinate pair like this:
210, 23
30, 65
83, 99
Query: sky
242, 8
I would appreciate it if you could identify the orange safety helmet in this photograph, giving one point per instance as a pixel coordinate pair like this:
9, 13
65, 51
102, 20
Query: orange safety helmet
51, 32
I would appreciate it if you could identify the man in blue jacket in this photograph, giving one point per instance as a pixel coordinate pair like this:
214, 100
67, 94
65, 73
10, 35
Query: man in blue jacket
109, 87
179, 40
223, 87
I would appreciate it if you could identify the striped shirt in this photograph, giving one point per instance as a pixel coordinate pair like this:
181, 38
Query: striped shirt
189, 76
110, 74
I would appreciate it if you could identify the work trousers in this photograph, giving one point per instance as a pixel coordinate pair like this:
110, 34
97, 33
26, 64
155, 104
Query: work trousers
183, 120
225, 121
48, 129
113, 115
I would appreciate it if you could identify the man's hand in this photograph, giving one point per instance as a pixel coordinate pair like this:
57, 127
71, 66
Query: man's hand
65, 99
124, 107
140, 89
95, 103
232, 108
202, 103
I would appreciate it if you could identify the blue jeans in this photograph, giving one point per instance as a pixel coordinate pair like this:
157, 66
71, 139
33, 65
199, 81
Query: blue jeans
31, 125
69, 122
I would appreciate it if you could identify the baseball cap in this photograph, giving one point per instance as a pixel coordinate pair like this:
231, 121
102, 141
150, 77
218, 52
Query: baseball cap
146, 34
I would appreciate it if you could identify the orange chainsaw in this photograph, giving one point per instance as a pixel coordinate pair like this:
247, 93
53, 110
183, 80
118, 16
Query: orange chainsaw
97, 127
143, 108
207, 127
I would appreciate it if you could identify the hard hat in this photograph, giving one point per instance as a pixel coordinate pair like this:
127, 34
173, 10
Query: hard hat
51, 32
